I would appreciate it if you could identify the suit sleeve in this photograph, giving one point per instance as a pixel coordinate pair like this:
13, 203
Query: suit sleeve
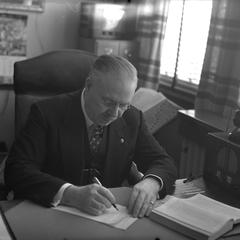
151, 158
23, 172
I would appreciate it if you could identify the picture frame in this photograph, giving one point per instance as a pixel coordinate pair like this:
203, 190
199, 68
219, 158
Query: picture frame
13, 44
23, 5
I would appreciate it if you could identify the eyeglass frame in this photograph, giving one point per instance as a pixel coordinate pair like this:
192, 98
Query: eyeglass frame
109, 103
121, 106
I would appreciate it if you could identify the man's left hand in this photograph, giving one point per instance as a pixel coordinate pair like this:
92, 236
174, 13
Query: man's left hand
143, 197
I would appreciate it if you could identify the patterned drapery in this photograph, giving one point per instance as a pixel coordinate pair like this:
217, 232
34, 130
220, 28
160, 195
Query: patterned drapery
151, 30
219, 88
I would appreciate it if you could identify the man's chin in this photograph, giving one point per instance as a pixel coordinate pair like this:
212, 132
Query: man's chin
106, 122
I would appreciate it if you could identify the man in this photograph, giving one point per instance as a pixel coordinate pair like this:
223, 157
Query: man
55, 157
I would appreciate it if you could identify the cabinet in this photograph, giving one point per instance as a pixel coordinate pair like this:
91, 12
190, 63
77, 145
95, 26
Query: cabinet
124, 48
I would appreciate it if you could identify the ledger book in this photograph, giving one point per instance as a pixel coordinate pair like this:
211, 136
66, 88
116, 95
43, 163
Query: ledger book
199, 217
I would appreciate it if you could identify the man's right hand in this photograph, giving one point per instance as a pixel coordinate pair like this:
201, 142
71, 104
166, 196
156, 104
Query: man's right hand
93, 199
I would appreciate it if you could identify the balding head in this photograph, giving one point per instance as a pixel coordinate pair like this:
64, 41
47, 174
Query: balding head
119, 68
110, 64
109, 88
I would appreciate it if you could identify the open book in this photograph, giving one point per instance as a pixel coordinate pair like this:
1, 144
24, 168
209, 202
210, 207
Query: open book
157, 109
199, 217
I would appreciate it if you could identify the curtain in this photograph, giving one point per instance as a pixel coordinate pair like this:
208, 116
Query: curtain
220, 78
151, 29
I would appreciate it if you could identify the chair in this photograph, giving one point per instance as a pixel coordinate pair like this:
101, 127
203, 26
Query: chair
47, 75
43, 76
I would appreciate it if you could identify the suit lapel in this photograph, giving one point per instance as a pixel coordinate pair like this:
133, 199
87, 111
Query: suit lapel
116, 150
72, 140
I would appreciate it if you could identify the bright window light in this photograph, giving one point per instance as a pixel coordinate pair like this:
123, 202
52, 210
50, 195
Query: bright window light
111, 13
195, 27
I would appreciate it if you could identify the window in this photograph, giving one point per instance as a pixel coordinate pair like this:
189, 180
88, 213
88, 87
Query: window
185, 42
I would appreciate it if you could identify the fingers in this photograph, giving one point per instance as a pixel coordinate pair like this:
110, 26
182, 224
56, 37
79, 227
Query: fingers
100, 199
150, 208
96, 208
106, 193
142, 207
141, 202
147, 208
135, 202
93, 199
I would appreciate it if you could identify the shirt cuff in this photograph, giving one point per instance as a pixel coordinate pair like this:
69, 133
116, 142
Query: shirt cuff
157, 178
58, 197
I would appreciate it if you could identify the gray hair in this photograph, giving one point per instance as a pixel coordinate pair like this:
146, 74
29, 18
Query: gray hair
113, 64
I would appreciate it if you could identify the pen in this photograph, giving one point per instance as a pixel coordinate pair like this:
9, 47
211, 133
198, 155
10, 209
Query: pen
95, 180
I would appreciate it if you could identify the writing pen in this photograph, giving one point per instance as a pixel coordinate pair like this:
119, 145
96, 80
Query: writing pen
95, 180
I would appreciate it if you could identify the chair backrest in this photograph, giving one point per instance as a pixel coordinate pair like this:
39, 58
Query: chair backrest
48, 75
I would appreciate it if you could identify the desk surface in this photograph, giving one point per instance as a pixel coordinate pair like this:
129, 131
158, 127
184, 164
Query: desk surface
32, 221
218, 123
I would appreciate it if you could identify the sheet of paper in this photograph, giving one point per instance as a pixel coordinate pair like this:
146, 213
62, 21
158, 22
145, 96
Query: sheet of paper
4, 234
118, 219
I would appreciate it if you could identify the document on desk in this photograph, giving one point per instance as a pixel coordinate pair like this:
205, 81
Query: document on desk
4, 234
118, 219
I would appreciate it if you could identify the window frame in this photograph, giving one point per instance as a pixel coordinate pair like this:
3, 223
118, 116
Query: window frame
175, 85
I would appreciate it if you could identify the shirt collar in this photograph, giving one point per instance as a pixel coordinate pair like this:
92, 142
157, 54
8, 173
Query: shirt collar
89, 122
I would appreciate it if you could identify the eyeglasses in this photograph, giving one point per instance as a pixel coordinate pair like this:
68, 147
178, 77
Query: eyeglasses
108, 103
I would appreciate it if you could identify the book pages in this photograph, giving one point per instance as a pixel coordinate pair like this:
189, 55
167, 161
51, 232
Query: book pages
185, 216
214, 206
192, 216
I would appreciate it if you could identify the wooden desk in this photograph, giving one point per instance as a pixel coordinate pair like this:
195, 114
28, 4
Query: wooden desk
44, 223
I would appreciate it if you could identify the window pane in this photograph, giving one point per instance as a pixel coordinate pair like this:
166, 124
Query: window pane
194, 39
196, 21
169, 50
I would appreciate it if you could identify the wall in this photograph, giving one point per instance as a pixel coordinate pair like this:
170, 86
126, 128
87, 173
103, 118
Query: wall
55, 28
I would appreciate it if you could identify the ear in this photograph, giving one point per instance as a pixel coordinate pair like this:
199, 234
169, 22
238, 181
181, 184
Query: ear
88, 83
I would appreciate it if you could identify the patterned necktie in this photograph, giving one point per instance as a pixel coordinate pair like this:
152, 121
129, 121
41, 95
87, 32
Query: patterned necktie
96, 136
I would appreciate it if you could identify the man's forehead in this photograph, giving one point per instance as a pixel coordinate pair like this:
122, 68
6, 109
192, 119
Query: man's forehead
113, 63
116, 75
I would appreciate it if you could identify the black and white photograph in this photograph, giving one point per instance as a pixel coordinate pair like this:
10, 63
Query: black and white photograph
120, 119
22, 5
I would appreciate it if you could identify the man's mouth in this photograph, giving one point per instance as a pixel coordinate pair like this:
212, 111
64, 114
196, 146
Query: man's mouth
108, 119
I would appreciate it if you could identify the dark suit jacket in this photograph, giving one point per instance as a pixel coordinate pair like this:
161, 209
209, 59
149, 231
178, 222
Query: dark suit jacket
52, 150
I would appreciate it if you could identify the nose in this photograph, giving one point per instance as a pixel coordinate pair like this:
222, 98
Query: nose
116, 111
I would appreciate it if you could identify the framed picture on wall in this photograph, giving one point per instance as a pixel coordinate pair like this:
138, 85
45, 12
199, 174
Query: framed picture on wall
13, 44
23, 5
